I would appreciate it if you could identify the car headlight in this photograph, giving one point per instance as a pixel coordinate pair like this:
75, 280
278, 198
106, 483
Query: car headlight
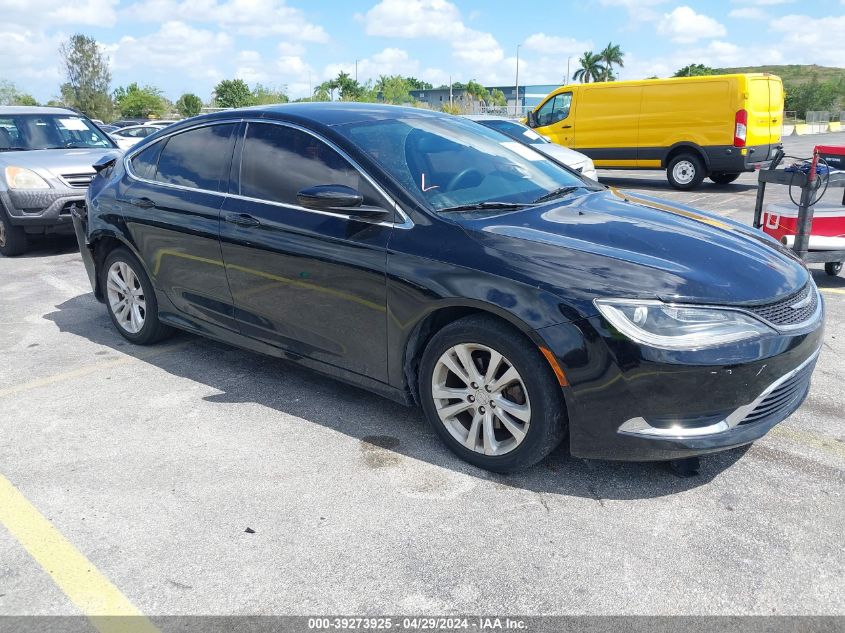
589, 165
22, 178
668, 326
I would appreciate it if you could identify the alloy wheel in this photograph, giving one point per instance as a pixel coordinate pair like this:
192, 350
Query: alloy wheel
126, 297
481, 399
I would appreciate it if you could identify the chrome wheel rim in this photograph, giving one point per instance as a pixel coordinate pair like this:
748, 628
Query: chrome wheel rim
683, 172
481, 399
126, 297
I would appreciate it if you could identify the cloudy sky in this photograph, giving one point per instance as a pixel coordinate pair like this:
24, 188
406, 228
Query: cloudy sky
189, 45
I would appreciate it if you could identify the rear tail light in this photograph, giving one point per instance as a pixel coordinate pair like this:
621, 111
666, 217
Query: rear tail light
740, 128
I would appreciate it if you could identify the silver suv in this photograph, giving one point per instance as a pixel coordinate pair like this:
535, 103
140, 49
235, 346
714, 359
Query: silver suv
46, 158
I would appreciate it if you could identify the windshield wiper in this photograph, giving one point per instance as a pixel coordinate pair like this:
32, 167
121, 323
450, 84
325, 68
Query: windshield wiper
557, 193
493, 204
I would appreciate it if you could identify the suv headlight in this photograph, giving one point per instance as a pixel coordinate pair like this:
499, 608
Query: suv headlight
22, 178
668, 326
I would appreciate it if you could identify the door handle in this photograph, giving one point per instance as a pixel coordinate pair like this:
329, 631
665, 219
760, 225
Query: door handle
241, 219
565, 127
144, 203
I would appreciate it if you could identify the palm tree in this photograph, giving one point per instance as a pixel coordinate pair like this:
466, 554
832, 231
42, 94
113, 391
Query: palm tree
591, 68
611, 56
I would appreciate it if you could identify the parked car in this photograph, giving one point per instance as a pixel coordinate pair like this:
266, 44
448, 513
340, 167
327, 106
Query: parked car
525, 135
128, 122
161, 122
715, 126
45, 167
433, 261
128, 136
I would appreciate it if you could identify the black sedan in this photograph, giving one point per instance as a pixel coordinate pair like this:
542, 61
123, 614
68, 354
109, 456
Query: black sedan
439, 263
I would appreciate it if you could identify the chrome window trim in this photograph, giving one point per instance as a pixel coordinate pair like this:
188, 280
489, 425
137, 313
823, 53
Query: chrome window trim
640, 427
406, 222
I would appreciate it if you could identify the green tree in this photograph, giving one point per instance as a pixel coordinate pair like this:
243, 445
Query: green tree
324, 91
811, 95
394, 89
265, 95
695, 70
498, 98
233, 93
10, 95
591, 68
416, 84
140, 102
88, 76
189, 105
611, 56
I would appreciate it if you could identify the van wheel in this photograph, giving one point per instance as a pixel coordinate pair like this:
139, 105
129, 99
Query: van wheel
723, 178
833, 268
490, 395
685, 172
13, 240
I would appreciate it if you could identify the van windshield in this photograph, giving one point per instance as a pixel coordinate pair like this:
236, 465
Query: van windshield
448, 162
49, 131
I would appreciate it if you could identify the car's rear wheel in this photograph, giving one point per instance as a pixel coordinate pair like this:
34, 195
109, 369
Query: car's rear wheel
685, 171
490, 395
130, 298
723, 178
13, 240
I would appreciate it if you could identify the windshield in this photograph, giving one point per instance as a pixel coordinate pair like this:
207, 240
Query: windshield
516, 130
49, 131
451, 162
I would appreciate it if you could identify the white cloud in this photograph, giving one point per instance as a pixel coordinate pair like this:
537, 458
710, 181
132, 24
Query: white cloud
810, 39
684, 25
175, 45
751, 13
59, 12
438, 19
638, 10
555, 45
254, 18
28, 54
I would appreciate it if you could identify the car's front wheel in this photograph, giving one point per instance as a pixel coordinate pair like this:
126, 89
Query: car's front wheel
490, 395
685, 171
13, 240
130, 298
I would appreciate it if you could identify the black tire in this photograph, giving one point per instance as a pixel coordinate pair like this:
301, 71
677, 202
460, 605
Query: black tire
547, 422
152, 330
691, 171
13, 239
723, 179
833, 268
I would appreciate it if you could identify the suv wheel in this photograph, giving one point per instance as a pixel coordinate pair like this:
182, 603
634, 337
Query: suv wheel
685, 171
13, 240
490, 395
130, 298
724, 178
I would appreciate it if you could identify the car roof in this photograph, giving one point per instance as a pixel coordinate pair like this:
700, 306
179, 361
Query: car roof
492, 117
327, 113
36, 110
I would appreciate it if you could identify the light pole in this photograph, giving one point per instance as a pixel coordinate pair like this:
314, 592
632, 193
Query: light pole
567, 70
516, 86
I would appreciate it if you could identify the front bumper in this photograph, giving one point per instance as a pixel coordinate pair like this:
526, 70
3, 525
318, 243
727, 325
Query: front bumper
630, 402
42, 207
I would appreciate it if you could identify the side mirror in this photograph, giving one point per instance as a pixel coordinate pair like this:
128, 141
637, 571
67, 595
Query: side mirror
532, 118
339, 198
327, 197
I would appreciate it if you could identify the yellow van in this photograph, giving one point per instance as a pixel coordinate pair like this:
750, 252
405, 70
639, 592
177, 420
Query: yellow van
715, 125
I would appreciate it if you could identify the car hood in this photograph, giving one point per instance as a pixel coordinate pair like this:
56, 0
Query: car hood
613, 244
563, 154
56, 162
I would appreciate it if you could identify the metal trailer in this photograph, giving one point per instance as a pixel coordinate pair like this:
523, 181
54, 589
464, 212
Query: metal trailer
808, 184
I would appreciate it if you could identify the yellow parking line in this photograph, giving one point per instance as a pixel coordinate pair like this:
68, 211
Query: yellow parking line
86, 370
839, 291
74, 574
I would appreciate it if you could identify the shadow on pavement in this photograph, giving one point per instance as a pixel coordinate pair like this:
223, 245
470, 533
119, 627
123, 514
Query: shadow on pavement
385, 429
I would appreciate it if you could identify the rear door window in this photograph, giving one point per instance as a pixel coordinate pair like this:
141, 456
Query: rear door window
198, 158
